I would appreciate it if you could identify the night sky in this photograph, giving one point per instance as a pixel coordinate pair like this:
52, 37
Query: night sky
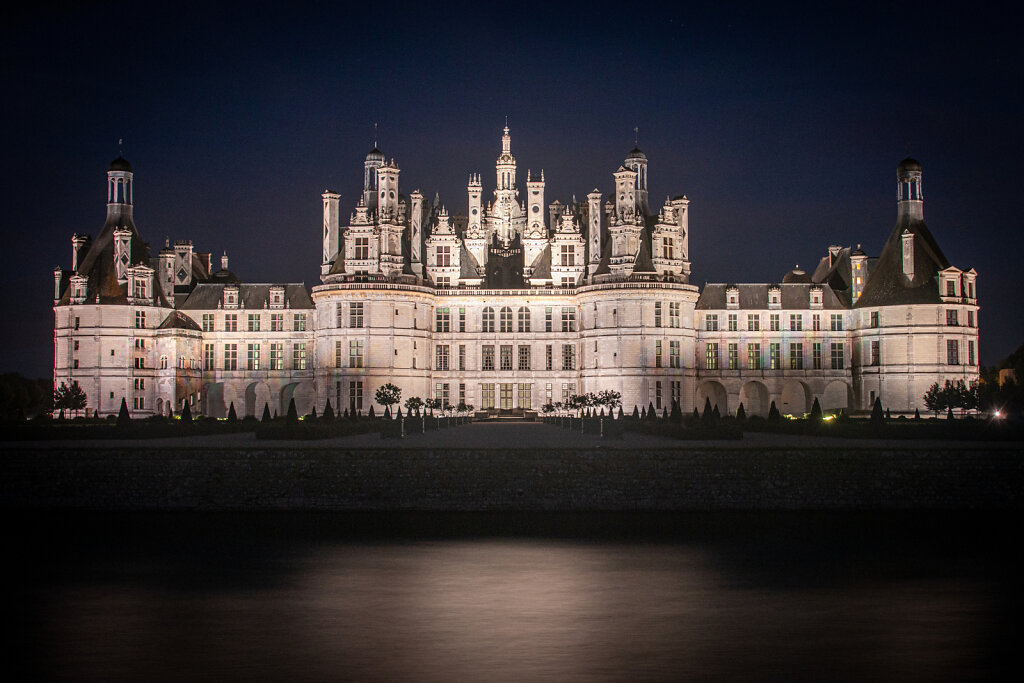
783, 125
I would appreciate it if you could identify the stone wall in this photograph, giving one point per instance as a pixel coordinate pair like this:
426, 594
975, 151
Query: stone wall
506, 479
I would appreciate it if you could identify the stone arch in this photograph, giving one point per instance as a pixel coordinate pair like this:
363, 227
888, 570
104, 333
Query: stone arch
257, 395
837, 395
213, 399
305, 397
796, 398
160, 407
712, 391
755, 398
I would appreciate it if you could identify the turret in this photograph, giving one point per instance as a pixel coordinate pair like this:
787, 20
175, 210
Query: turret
387, 191
636, 161
535, 204
416, 233
331, 229
909, 194
120, 190
374, 160
594, 228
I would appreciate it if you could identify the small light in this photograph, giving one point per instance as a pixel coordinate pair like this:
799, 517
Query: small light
998, 414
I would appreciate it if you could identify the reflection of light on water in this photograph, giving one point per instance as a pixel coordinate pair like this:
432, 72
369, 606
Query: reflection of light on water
514, 611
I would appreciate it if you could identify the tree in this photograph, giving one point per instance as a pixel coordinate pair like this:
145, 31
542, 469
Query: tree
266, 413
413, 404
934, 399
293, 413
741, 413
186, 414
69, 397
773, 413
877, 417
433, 404
816, 411
232, 415
328, 412
388, 395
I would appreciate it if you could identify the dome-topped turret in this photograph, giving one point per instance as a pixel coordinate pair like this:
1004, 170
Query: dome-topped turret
636, 154
795, 275
909, 165
120, 164
375, 155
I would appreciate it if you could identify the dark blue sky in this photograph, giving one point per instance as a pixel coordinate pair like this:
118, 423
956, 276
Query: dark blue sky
783, 125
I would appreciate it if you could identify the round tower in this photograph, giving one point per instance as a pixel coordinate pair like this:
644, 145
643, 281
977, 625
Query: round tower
909, 194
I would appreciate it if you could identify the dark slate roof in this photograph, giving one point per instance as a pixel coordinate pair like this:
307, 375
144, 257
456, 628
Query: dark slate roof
795, 297
796, 275
225, 276
909, 164
98, 264
542, 264
888, 286
467, 263
643, 263
208, 295
604, 266
179, 321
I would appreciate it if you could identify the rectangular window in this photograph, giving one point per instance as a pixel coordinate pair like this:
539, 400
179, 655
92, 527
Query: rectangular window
230, 356
669, 248
277, 356
733, 325
253, 322
796, 356
299, 322
525, 396
952, 317
816, 355
568, 319
548, 393
441, 392
524, 319
657, 353
462, 320
506, 356
673, 355
711, 322
796, 322
253, 357
773, 322
876, 352
361, 252
677, 391
657, 314
952, 352
505, 319
355, 353
753, 322
950, 288
140, 320
231, 322
816, 322
208, 324
277, 322
547, 319
139, 363
462, 356
140, 383
487, 396
443, 256
711, 356
337, 354
836, 322
462, 394
970, 352
487, 357
355, 314
568, 356
441, 355
443, 281
734, 356
568, 254
298, 356
673, 314
970, 318
442, 320
524, 357
775, 356
657, 395
208, 359
753, 356
837, 356
548, 357
139, 403
874, 318
487, 319
568, 389
355, 395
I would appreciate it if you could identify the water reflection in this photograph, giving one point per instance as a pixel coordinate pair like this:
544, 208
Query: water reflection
332, 598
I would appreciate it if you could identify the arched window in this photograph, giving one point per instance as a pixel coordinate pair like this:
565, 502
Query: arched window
524, 319
163, 362
488, 319
506, 319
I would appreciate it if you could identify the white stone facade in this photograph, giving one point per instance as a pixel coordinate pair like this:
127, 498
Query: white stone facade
510, 306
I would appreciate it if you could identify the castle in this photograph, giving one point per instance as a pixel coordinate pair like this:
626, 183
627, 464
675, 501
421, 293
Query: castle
514, 305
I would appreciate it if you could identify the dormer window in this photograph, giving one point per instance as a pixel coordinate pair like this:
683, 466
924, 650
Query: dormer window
732, 297
231, 297
775, 297
277, 297
815, 297
79, 287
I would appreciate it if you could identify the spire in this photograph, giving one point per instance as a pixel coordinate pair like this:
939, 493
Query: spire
506, 140
224, 261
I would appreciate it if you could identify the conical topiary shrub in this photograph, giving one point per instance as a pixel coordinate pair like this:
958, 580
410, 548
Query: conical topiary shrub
643, 414
706, 414
816, 414
371, 414
266, 413
636, 412
232, 415
877, 417
741, 413
328, 412
124, 419
387, 412
651, 415
186, 414
773, 413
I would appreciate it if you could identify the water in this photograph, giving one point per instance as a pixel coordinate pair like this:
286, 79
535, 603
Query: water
511, 597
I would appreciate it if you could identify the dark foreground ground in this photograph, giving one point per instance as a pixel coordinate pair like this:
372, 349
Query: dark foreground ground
511, 466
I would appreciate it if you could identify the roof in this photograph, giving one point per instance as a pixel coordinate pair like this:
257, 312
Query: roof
542, 264
120, 164
179, 321
887, 285
467, 263
209, 295
795, 296
909, 164
643, 263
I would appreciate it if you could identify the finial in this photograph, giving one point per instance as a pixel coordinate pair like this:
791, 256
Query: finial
375, 135
636, 136
120, 147
224, 261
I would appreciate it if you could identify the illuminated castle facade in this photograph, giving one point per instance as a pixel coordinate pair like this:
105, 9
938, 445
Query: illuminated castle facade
513, 305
